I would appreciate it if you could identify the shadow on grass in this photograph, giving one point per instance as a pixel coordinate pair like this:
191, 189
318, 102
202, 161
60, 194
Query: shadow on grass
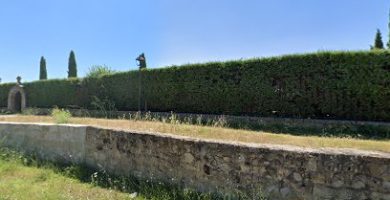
144, 188
367, 132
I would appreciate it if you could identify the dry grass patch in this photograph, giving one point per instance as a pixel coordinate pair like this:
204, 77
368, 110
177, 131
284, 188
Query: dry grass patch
218, 133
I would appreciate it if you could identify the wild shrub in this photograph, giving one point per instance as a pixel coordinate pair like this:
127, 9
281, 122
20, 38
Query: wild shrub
61, 116
105, 106
98, 71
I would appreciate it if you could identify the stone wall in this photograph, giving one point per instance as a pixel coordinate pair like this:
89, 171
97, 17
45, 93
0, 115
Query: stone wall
50, 142
279, 172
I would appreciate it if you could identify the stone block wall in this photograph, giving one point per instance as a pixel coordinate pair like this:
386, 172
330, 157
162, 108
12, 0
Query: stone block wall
279, 172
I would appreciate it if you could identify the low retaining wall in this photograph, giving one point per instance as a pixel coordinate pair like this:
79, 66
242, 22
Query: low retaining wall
51, 142
279, 172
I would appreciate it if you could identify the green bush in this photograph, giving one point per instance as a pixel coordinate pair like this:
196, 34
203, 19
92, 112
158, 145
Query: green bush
334, 85
4, 90
98, 71
54, 92
61, 116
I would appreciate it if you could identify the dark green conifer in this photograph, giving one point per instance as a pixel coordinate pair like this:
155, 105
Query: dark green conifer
42, 69
388, 42
378, 43
72, 65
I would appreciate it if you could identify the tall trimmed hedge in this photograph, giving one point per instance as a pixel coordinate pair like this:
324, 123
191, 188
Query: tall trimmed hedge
4, 90
338, 85
55, 92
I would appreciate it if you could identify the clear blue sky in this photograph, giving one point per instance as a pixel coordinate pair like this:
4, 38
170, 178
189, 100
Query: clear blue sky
114, 32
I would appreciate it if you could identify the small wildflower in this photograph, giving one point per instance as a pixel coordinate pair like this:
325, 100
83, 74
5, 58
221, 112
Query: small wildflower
133, 195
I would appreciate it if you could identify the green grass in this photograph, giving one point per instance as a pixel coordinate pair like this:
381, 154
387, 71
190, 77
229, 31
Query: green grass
23, 177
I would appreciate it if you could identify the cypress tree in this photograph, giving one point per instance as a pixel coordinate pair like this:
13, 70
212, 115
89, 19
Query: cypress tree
42, 69
72, 66
388, 42
378, 40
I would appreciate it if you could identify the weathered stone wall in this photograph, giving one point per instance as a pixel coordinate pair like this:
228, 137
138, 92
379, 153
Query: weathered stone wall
50, 142
280, 172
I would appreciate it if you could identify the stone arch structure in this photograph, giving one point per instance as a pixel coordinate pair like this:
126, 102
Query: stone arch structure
16, 99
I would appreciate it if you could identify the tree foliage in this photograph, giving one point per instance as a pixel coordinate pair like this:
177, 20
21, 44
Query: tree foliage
378, 43
42, 69
388, 42
72, 65
97, 71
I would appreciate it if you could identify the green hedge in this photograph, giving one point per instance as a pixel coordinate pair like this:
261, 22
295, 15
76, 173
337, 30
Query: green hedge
337, 85
56, 92
4, 89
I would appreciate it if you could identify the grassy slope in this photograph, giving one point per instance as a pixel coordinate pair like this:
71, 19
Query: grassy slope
22, 182
220, 133
23, 177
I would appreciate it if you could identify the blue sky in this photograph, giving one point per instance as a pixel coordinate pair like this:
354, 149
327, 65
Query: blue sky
174, 32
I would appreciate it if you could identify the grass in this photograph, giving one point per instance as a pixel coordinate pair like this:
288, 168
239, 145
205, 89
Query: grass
106, 109
218, 133
23, 177
20, 181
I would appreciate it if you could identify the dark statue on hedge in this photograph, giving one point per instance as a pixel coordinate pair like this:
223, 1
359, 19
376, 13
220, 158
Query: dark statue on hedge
19, 80
142, 61
141, 96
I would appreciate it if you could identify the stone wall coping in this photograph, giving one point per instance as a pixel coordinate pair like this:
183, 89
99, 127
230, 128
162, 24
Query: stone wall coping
271, 147
44, 124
